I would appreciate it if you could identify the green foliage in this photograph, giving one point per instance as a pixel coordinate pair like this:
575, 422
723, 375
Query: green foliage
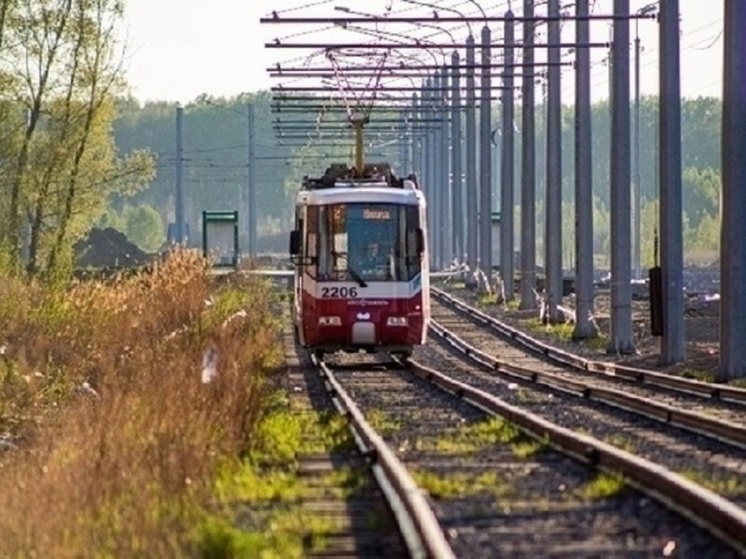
471, 438
602, 486
145, 227
731, 485
57, 154
701, 189
453, 485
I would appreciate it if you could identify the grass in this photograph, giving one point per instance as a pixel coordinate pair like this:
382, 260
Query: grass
266, 479
732, 486
602, 486
458, 485
119, 440
699, 375
471, 438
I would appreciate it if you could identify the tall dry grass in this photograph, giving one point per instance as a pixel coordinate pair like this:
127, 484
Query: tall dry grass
112, 437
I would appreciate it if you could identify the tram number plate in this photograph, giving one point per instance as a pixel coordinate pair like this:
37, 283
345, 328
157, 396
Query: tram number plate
339, 292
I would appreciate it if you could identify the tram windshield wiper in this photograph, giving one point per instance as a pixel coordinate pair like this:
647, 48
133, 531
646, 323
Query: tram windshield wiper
356, 277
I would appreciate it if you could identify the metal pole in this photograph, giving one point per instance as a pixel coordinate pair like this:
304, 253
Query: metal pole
446, 247
471, 163
179, 198
553, 242
415, 139
528, 170
435, 182
507, 171
457, 184
621, 340
485, 159
672, 243
252, 214
733, 210
637, 242
585, 327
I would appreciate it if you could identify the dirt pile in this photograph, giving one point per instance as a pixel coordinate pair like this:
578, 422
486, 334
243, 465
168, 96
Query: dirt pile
108, 248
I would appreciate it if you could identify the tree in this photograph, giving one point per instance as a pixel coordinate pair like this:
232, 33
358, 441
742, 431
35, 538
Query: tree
701, 192
61, 162
144, 227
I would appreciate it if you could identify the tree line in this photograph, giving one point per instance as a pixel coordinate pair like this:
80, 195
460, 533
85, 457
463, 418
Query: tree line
77, 152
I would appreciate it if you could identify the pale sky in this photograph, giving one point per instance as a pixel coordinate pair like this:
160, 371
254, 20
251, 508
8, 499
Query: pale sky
180, 49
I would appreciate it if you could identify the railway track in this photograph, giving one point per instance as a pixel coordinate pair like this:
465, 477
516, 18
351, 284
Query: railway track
601, 369
684, 403
498, 490
480, 467
386, 515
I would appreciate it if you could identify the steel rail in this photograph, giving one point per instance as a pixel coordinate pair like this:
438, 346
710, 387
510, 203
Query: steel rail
734, 435
426, 539
640, 376
717, 514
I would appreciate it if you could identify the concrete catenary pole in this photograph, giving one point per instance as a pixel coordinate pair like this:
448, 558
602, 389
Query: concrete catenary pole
444, 159
179, 195
457, 192
620, 340
507, 170
528, 166
416, 139
672, 242
585, 327
485, 157
403, 167
434, 200
471, 162
427, 179
252, 213
553, 241
733, 210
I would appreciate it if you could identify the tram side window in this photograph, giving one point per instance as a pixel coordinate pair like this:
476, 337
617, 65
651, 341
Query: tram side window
310, 247
332, 243
413, 242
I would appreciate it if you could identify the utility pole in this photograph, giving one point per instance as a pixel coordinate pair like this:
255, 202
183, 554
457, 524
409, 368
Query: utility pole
584, 325
621, 340
457, 192
471, 162
485, 159
528, 166
179, 198
252, 213
507, 171
672, 243
553, 241
732, 247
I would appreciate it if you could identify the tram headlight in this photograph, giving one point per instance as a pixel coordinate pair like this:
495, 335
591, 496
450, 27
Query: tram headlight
397, 321
330, 321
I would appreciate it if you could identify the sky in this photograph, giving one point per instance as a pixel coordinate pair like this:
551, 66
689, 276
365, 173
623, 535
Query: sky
178, 50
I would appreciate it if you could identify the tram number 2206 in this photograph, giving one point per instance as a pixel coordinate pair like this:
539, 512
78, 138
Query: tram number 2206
339, 292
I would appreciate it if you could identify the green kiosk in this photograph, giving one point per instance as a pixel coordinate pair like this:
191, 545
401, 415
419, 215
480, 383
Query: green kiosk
220, 238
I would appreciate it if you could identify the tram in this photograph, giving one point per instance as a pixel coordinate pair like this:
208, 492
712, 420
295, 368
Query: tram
359, 247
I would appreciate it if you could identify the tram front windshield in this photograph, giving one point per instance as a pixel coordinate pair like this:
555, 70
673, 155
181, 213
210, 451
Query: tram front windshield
377, 242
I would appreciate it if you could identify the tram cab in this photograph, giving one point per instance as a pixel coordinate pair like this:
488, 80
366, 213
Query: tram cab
361, 264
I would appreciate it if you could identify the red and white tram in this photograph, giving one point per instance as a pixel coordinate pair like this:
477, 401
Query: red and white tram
361, 263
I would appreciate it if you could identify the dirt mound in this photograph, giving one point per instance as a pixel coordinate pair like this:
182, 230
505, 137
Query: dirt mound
108, 248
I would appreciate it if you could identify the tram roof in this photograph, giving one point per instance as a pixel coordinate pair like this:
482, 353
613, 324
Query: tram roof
369, 192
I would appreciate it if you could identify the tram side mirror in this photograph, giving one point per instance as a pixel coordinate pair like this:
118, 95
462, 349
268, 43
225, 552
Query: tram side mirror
294, 248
